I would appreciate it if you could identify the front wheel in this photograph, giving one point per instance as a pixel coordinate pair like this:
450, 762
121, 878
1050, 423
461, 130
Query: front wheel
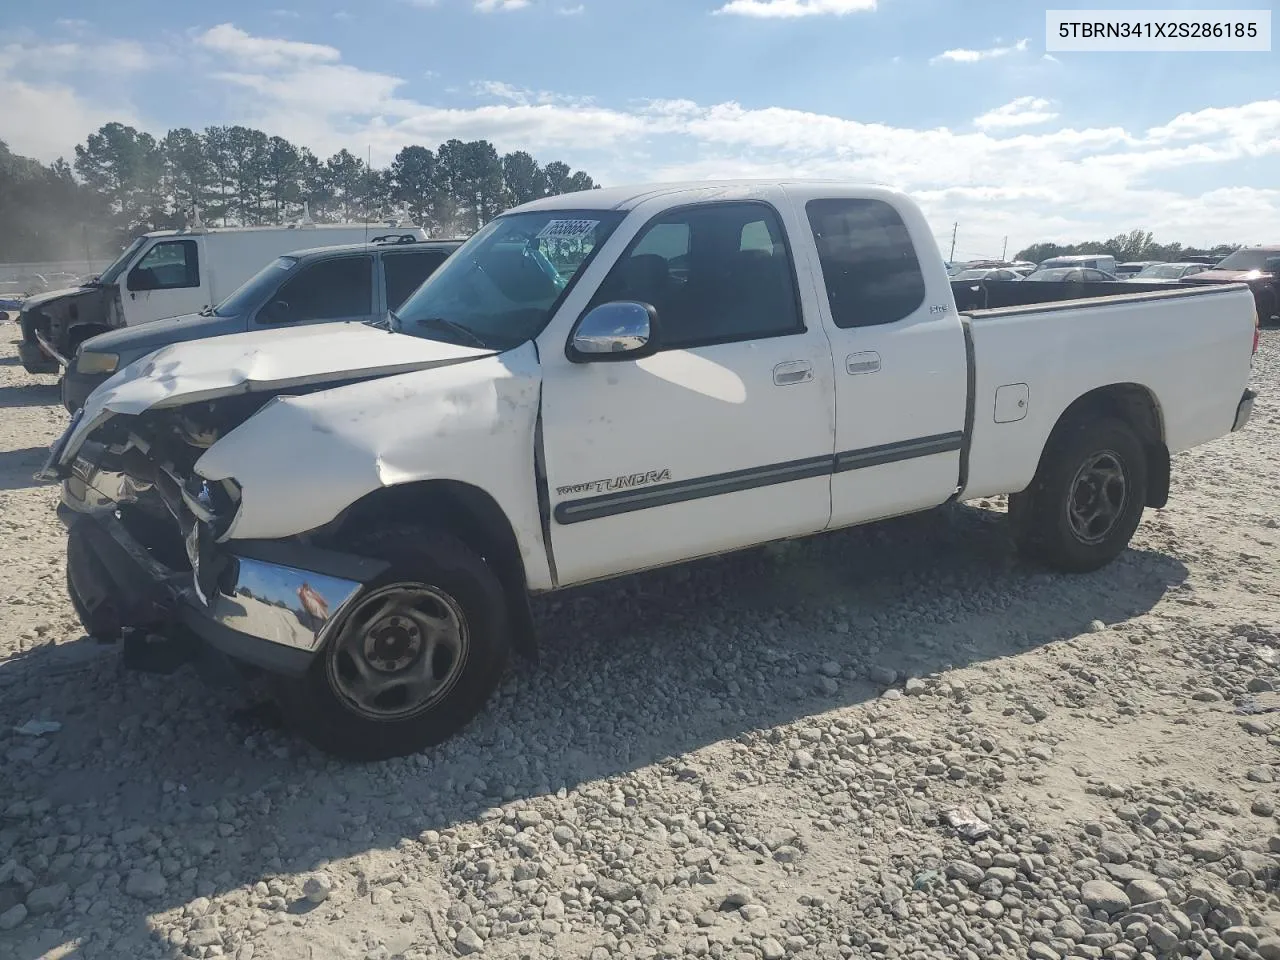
1087, 498
415, 658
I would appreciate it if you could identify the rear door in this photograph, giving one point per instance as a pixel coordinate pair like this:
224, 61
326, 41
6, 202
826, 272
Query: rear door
404, 271
900, 361
324, 291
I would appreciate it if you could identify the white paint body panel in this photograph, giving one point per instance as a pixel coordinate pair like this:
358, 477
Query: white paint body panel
439, 411
1193, 354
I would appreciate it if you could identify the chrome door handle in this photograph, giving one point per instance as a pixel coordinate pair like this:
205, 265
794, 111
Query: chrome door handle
793, 371
860, 363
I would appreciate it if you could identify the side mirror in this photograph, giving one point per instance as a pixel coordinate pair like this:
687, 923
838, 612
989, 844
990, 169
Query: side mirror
140, 279
277, 311
621, 330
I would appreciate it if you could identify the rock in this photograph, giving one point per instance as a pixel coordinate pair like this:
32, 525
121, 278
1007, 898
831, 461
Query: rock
801, 760
914, 687
965, 872
615, 890
13, 916
1211, 849
1262, 807
1161, 938
468, 941
148, 885
882, 676
1273, 843
738, 897
1069, 928
992, 909
1268, 948
827, 686
771, 949
1114, 849
1040, 951
1105, 896
47, 899
1257, 727
317, 888
528, 818
1206, 695
1144, 891
1245, 935
830, 669
1037, 712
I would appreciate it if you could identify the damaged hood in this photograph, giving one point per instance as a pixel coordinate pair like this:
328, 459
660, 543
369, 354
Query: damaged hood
185, 373
40, 299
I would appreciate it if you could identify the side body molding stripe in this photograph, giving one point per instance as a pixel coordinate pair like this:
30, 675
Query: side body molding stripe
628, 501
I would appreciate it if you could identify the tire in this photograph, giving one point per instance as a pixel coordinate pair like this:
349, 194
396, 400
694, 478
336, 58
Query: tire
357, 701
1092, 468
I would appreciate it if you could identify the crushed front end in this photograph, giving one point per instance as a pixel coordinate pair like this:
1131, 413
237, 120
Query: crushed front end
146, 557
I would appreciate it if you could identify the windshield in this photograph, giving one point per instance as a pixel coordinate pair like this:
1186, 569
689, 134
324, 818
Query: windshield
1057, 273
1162, 271
245, 297
110, 274
1248, 260
501, 287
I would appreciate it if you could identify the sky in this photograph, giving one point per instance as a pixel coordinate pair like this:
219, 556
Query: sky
955, 102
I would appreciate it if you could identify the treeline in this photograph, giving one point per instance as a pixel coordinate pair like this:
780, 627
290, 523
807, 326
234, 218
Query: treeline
124, 182
1125, 247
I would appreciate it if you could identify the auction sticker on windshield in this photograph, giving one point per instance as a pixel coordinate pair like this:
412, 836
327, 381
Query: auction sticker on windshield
568, 230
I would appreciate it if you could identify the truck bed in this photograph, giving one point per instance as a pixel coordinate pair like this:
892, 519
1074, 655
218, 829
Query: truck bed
1187, 350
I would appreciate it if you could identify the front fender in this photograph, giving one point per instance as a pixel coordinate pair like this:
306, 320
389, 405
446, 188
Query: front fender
300, 461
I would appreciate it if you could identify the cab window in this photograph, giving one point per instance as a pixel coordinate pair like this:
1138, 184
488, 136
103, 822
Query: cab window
169, 265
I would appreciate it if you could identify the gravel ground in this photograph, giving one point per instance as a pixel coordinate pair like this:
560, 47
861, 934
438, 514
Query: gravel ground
891, 742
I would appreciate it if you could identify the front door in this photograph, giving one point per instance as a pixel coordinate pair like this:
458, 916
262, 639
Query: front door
901, 372
720, 440
168, 281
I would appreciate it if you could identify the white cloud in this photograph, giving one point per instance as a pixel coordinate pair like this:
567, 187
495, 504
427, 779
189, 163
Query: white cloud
772, 9
490, 6
573, 11
962, 55
45, 121
103, 56
1019, 112
236, 44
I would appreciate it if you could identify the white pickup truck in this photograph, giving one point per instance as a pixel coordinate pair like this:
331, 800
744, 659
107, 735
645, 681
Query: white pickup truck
596, 384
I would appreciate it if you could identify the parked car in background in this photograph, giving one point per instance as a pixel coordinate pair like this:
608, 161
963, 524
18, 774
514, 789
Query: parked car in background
1070, 274
1102, 262
359, 281
1211, 261
596, 384
987, 273
1259, 267
1133, 267
167, 273
1022, 267
1172, 272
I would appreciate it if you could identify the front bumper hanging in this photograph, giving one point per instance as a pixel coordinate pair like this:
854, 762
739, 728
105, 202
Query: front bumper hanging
269, 603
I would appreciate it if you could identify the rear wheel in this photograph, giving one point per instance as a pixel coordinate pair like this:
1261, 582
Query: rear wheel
415, 658
1087, 498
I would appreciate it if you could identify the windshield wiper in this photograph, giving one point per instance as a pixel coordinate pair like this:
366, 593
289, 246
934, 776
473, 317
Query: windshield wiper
444, 323
206, 311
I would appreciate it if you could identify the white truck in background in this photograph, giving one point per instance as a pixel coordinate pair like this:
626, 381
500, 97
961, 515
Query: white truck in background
168, 273
596, 384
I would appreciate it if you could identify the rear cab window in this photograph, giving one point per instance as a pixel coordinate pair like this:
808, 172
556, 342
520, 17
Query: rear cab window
869, 265
403, 272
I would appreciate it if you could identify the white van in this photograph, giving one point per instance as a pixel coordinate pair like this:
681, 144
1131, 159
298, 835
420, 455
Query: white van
167, 274
1095, 261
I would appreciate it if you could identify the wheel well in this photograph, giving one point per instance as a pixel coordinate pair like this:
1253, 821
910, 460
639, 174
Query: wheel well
470, 514
1135, 405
